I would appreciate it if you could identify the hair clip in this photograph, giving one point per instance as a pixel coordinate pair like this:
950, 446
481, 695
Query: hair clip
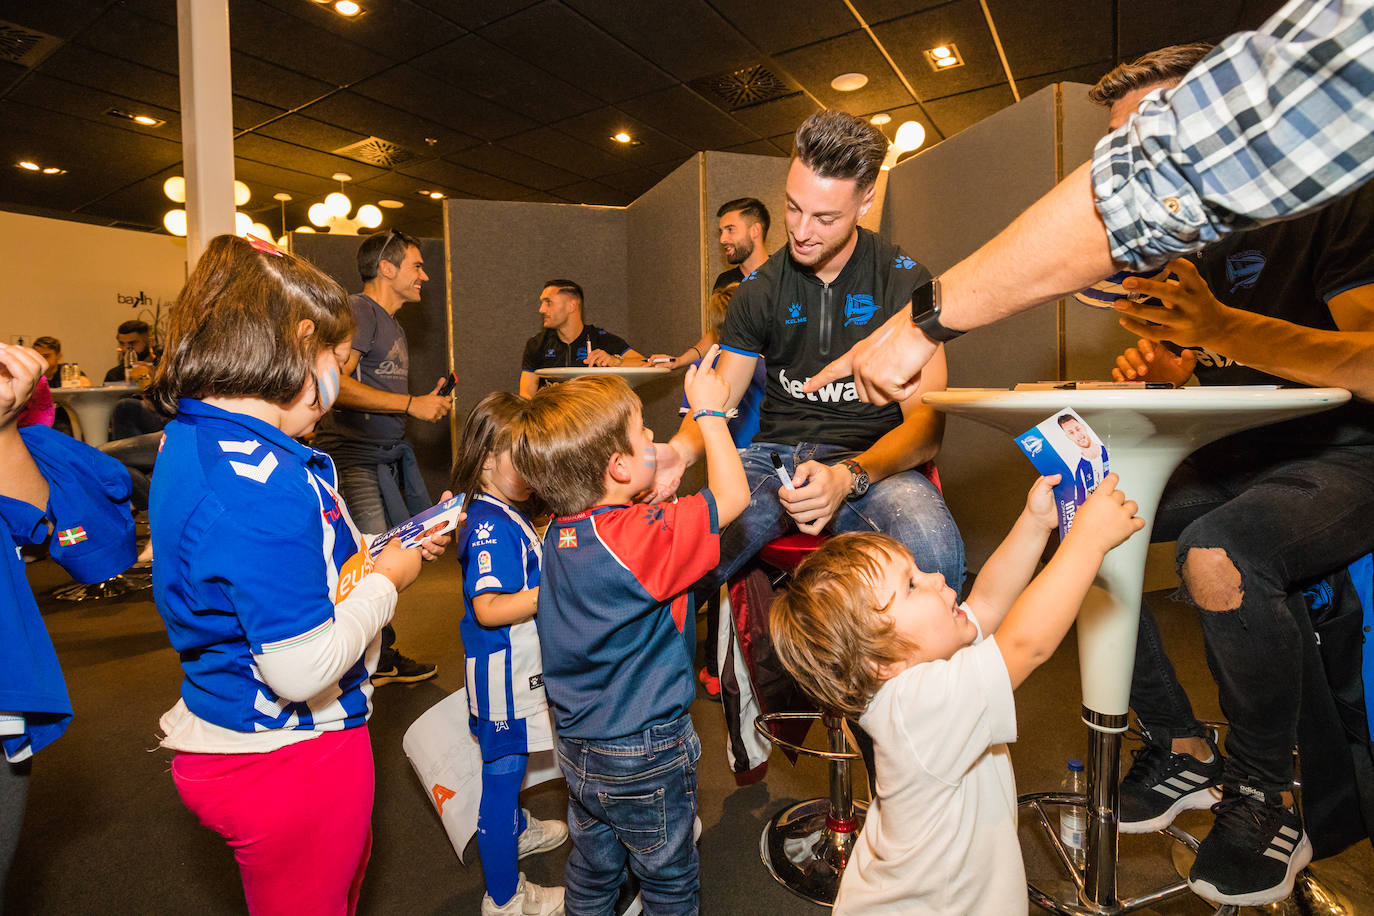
264, 246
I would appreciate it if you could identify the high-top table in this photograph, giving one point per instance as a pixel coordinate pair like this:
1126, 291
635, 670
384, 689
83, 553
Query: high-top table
1148, 432
93, 407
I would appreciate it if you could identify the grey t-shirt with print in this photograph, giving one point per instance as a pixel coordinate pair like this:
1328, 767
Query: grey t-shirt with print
384, 365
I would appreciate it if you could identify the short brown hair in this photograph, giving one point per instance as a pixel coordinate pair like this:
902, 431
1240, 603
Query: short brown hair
834, 144
233, 331
563, 440
718, 304
829, 629
1167, 65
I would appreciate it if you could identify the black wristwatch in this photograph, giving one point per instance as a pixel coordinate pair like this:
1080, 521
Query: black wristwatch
925, 312
858, 478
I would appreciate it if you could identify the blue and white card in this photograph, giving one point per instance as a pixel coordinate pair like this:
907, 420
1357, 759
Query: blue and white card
1066, 445
437, 519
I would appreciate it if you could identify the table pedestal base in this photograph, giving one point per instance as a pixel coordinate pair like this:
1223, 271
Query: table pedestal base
806, 850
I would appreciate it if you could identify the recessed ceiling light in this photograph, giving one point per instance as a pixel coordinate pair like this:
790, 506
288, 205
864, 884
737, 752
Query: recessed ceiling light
878, 120
54, 170
347, 8
848, 82
390, 204
30, 166
143, 119
622, 137
436, 195
944, 57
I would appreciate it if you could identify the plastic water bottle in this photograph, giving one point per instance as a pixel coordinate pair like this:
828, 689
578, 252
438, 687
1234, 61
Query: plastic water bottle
1073, 819
129, 360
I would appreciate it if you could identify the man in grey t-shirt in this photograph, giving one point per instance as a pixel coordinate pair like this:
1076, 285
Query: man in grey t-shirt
379, 478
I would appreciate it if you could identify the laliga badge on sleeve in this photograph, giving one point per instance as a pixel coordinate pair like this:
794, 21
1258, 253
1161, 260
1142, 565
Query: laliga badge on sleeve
1066, 445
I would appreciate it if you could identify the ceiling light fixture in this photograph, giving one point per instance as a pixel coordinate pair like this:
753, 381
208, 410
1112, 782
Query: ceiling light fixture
348, 8
436, 195
29, 166
878, 120
142, 119
54, 170
910, 136
849, 82
944, 57
390, 204
174, 221
622, 137
332, 213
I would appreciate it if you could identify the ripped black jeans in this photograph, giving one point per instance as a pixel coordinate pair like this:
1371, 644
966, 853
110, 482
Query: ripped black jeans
1281, 521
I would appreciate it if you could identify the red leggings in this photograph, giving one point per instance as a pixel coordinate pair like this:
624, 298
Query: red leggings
299, 819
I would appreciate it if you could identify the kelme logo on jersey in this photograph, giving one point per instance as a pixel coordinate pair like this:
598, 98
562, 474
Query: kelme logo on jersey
834, 392
902, 262
482, 535
794, 314
858, 308
1243, 269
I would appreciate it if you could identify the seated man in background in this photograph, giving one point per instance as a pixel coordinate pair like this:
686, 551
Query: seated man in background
567, 341
1255, 514
137, 359
850, 466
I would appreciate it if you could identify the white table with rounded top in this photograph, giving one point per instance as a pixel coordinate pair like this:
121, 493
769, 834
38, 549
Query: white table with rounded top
1148, 432
634, 375
93, 407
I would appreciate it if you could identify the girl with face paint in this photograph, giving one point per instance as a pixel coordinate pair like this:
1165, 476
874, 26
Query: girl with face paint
261, 579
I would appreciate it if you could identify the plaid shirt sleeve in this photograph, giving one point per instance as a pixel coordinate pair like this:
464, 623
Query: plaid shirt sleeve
1272, 124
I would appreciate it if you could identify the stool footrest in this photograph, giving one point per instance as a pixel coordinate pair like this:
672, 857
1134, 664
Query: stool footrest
763, 720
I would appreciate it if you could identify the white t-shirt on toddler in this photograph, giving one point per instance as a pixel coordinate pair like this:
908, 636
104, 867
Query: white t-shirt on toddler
940, 837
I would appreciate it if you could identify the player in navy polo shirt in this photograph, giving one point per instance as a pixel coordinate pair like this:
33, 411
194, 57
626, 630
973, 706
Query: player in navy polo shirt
269, 601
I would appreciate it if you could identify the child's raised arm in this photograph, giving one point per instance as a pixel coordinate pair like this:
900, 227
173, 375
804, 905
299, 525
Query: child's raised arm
707, 390
1007, 572
1038, 619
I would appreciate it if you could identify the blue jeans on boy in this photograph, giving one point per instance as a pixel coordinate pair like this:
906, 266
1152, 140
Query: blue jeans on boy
1282, 521
632, 802
906, 506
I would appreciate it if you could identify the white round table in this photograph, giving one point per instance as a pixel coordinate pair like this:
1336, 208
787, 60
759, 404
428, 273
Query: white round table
1147, 433
634, 375
93, 407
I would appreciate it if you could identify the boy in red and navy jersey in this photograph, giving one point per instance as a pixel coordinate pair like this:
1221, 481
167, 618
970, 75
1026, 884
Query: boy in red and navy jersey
617, 627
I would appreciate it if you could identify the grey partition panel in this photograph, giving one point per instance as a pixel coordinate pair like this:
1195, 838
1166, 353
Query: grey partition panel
663, 274
425, 324
941, 205
500, 254
733, 175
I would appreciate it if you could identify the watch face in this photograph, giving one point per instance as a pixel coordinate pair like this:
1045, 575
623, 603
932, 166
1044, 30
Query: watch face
922, 300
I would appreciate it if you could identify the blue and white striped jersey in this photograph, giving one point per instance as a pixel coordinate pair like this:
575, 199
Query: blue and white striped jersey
500, 553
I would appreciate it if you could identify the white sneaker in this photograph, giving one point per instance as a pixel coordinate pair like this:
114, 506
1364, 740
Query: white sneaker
540, 836
529, 900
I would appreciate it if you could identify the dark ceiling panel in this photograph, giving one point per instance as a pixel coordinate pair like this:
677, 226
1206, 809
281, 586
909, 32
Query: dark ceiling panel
477, 65
398, 31
265, 82
451, 177
876, 11
597, 127
815, 65
375, 119
420, 93
1088, 73
775, 25
636, 181
122, 33
756, 148
1079, 33
263, 32
955, 113
99, 71
541, 197
400, 186
248, 113
60, 19
550, 145
495, 160
961, 22
781, 116
681, 113
265, 180
473, 14
260, 148
46, 92
685, 37
1143, 29
304, 131
564, 42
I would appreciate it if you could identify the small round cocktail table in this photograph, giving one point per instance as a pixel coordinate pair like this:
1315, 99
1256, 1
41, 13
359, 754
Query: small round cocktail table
93, 407
1147, 433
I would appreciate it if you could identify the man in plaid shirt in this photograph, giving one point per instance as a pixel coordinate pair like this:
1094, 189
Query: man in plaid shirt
1272, 124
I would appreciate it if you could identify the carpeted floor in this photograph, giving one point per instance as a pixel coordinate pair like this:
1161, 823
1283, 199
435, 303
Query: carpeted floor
106, 833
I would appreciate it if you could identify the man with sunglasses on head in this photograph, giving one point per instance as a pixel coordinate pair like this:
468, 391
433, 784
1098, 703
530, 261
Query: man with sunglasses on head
379, 476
